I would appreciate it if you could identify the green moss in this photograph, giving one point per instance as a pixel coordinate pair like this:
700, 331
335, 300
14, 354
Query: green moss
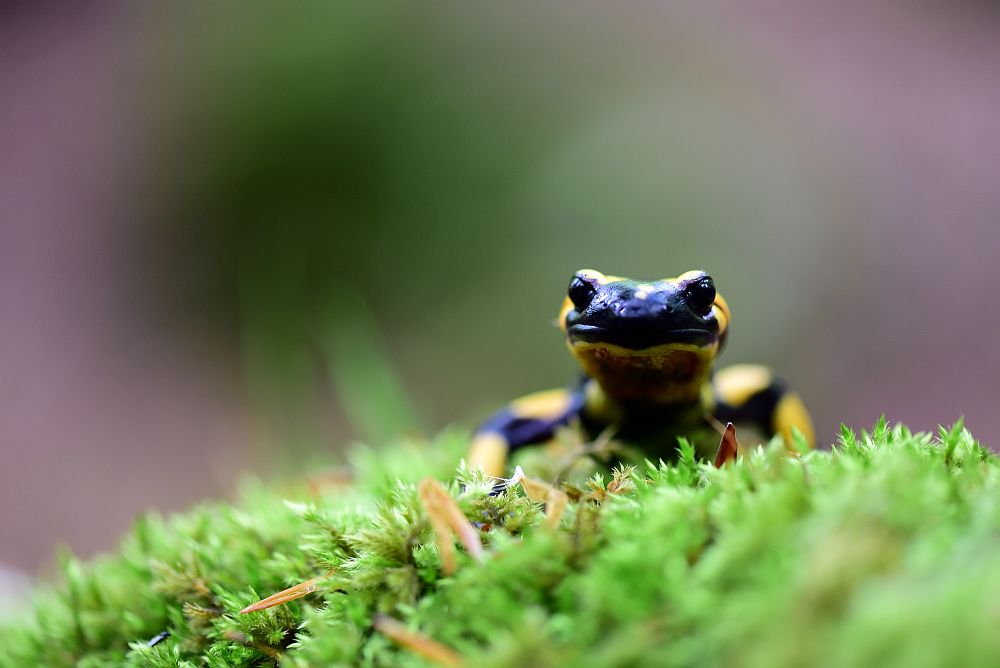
884, 551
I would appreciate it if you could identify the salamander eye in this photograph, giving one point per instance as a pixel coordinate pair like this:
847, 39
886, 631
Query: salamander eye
582, 289
700, 295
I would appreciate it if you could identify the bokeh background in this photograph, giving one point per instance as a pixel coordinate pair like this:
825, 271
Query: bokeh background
235, 237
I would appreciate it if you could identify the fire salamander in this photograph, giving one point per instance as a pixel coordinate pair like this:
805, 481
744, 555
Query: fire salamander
647, 350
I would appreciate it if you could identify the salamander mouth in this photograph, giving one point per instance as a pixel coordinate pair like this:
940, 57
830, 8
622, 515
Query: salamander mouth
640, 336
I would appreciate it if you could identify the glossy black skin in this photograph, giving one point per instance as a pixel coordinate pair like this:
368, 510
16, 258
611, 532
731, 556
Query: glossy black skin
629, 314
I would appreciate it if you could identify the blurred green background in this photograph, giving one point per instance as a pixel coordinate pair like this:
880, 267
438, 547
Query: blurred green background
436, 194
239, 236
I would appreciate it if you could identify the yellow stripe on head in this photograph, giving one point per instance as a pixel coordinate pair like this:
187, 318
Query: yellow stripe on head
567, 306
687, 276
594, 275
722, 314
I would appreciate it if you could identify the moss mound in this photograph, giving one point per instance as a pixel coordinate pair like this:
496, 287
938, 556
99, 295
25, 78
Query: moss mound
885, 551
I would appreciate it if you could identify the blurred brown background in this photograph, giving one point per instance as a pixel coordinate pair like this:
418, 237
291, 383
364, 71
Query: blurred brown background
235, 238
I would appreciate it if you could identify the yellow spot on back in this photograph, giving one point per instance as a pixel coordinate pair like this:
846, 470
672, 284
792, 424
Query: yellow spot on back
736, 384
489, 453
791, 412
546, 405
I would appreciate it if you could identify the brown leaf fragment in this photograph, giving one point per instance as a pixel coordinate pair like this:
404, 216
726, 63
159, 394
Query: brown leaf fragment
286, 595
416, 642
555, 507
447, 518
555, 499
439, 522
728, 448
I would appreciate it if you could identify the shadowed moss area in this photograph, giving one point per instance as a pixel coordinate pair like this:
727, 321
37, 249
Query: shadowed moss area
884, 551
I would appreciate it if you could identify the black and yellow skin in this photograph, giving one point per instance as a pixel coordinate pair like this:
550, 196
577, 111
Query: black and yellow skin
648, 351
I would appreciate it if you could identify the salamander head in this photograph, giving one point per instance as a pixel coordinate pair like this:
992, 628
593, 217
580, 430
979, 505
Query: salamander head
648, 341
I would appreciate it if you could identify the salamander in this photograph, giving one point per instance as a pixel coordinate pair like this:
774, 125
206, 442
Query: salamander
647, 350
